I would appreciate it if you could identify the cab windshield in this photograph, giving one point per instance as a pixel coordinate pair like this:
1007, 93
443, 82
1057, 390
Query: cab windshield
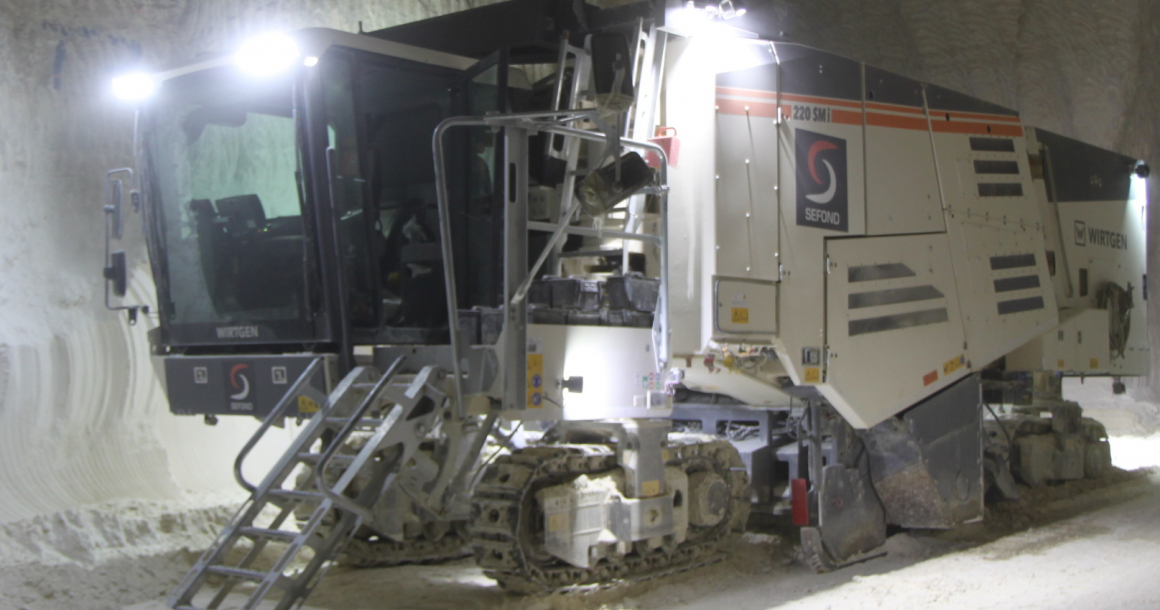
223, 158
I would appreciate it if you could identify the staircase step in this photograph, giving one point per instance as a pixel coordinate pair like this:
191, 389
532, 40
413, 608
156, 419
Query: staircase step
341, 421
242, 573
312, 458
261, 532
296, 496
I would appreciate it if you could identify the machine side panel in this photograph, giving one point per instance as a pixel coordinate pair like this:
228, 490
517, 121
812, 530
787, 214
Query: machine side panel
838, 140
893, 324
1093, 210
995, 230
901, 185
1077, 346
813, 102
1106, 245
690, 96
746, 181
617, 365
1101, 206
802, 118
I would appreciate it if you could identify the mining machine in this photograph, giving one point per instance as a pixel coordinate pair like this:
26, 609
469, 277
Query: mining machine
581, 291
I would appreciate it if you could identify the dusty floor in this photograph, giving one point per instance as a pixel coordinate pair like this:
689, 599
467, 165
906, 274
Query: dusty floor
1082, 545
1079, 546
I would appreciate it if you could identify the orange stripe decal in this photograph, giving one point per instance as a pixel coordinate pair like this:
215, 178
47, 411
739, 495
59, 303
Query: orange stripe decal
846, 117
769, 95
874, 119
877, 119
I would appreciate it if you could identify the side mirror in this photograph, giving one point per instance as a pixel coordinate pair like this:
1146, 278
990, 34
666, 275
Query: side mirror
117, 274
113, 208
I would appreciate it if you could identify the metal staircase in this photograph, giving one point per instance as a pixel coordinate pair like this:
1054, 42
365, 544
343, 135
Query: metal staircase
396, 409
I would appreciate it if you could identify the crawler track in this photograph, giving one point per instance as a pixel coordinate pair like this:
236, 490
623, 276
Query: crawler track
507, 531
384, 552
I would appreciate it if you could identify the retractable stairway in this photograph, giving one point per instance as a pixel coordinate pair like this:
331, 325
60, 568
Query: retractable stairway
396, 409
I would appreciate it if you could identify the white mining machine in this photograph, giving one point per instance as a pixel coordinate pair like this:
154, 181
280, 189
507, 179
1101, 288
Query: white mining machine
581, 290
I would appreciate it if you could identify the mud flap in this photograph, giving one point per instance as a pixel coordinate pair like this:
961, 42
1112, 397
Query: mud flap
851, 520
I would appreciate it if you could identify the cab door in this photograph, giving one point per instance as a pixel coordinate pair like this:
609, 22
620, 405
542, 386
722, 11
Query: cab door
379, 114
476, 189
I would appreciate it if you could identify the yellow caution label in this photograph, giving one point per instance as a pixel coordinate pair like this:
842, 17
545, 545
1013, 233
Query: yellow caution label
740, 315
649, 489
813, 374
666, 455
1059, 364
557, 522
1095, 363
535, 381
305, 405
954, 364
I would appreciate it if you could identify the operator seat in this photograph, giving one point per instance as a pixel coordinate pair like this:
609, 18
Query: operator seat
243, 211
262, 268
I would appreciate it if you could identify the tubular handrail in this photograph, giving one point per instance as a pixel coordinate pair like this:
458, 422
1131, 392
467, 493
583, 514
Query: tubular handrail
275, 414
442, 199
534, 121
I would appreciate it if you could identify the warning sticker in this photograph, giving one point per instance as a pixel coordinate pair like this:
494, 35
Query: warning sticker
954, 364
930, 378
1095, 363
740, 315
305, 405
813, 374
535, 381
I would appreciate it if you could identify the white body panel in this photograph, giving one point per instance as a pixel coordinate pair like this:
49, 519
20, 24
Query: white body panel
907, 320
955, 196
618, 366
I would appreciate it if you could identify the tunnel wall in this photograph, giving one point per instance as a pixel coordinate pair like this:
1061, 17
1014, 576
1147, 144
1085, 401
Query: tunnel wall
82, 419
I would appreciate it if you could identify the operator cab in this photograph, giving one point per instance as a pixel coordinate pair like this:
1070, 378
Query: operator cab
274, 198
292, 212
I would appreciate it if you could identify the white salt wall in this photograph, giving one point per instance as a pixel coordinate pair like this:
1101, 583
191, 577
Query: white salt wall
82, 420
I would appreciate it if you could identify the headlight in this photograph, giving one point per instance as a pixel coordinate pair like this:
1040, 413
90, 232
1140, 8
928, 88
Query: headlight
134, 86
267, 54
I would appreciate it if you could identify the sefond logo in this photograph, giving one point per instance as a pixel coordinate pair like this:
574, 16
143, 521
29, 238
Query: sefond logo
239, 389
821, 181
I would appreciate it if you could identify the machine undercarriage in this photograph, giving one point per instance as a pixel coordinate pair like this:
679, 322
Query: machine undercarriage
556, 516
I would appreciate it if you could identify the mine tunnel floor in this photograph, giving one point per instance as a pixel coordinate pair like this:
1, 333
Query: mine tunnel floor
1078, 545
